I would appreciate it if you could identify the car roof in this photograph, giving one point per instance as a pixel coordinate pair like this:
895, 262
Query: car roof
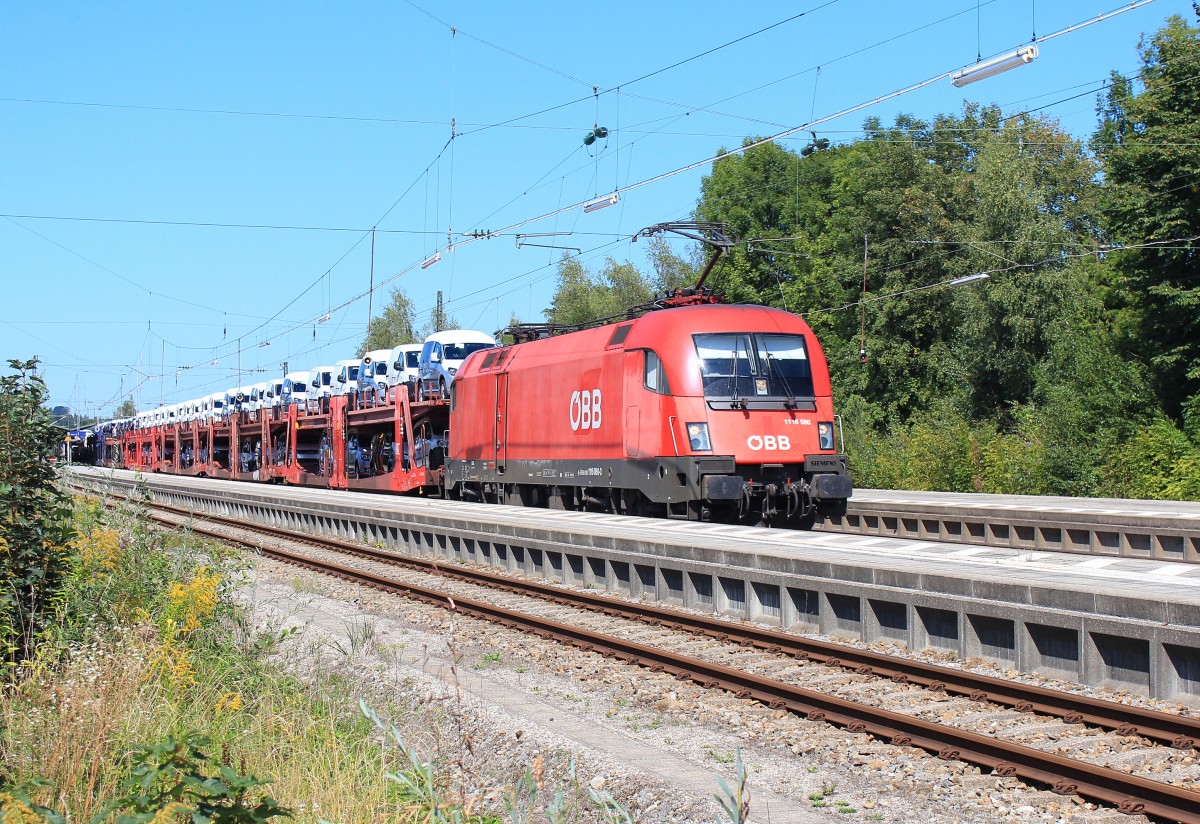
460, 336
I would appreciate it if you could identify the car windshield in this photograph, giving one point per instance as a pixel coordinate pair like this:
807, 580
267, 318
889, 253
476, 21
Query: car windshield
749, 365
351, 373
412, 360
459, 351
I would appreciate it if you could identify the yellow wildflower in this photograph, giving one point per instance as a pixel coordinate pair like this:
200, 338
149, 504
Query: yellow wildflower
229, 702
172, 661
99, 550
195, 601
15, 811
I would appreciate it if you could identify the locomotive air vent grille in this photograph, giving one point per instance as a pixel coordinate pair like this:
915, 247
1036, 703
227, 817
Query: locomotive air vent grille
619, 335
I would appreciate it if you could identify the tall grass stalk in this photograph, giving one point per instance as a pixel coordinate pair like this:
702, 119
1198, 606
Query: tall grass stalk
151, 657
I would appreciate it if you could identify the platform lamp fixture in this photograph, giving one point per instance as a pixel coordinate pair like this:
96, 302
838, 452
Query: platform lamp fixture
600, 203
996, 65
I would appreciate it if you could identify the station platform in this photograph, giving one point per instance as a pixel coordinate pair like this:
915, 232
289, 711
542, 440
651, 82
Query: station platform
1167, 530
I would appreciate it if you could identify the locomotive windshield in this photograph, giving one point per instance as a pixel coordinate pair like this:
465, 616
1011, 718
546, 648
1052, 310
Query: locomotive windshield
749, 365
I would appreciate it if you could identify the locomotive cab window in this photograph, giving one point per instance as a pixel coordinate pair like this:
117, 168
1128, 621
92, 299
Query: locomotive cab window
655, 377
750, 365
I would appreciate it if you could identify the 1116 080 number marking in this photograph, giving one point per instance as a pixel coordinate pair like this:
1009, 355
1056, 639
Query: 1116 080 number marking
585, 409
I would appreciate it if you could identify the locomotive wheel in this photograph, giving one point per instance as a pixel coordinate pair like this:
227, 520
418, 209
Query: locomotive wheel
532, 495
561, 497
636, 503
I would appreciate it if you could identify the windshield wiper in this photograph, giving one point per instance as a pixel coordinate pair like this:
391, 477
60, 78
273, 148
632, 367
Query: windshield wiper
772, 366
733, 364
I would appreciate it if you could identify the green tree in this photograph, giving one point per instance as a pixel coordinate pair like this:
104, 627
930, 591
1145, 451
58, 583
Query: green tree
34, 517
1026, 364
393, 327
576, 298
924, 203
127, 409
671, 271
437, 323
583, 297
1149, 144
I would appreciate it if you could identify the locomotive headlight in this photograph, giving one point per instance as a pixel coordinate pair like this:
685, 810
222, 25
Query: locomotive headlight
698, 437
825, 434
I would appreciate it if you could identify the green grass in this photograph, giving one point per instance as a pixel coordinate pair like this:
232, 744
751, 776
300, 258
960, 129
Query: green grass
118, 674
151, 649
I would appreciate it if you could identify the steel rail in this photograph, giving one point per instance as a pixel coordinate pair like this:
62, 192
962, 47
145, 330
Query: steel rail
1128, 793
1178, 731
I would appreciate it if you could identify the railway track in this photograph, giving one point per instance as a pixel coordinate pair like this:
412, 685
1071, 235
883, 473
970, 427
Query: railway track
717, 644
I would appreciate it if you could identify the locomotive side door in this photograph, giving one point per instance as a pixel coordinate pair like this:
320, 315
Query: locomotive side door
500, 425
633, 396
649, 422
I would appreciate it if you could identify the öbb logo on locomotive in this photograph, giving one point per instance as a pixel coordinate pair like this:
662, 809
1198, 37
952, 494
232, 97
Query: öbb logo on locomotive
585, 409
757, 443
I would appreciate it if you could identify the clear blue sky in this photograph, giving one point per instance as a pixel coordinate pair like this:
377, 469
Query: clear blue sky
300, 126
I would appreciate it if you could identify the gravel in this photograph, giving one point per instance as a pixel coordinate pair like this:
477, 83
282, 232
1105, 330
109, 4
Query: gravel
495, 702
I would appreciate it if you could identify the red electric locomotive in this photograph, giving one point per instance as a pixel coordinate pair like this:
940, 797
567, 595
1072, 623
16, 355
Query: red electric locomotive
695, 411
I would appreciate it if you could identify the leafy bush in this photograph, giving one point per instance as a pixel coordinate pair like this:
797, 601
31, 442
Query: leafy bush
175, 778
1012, 462
937, 450
1157, 462
35, 525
